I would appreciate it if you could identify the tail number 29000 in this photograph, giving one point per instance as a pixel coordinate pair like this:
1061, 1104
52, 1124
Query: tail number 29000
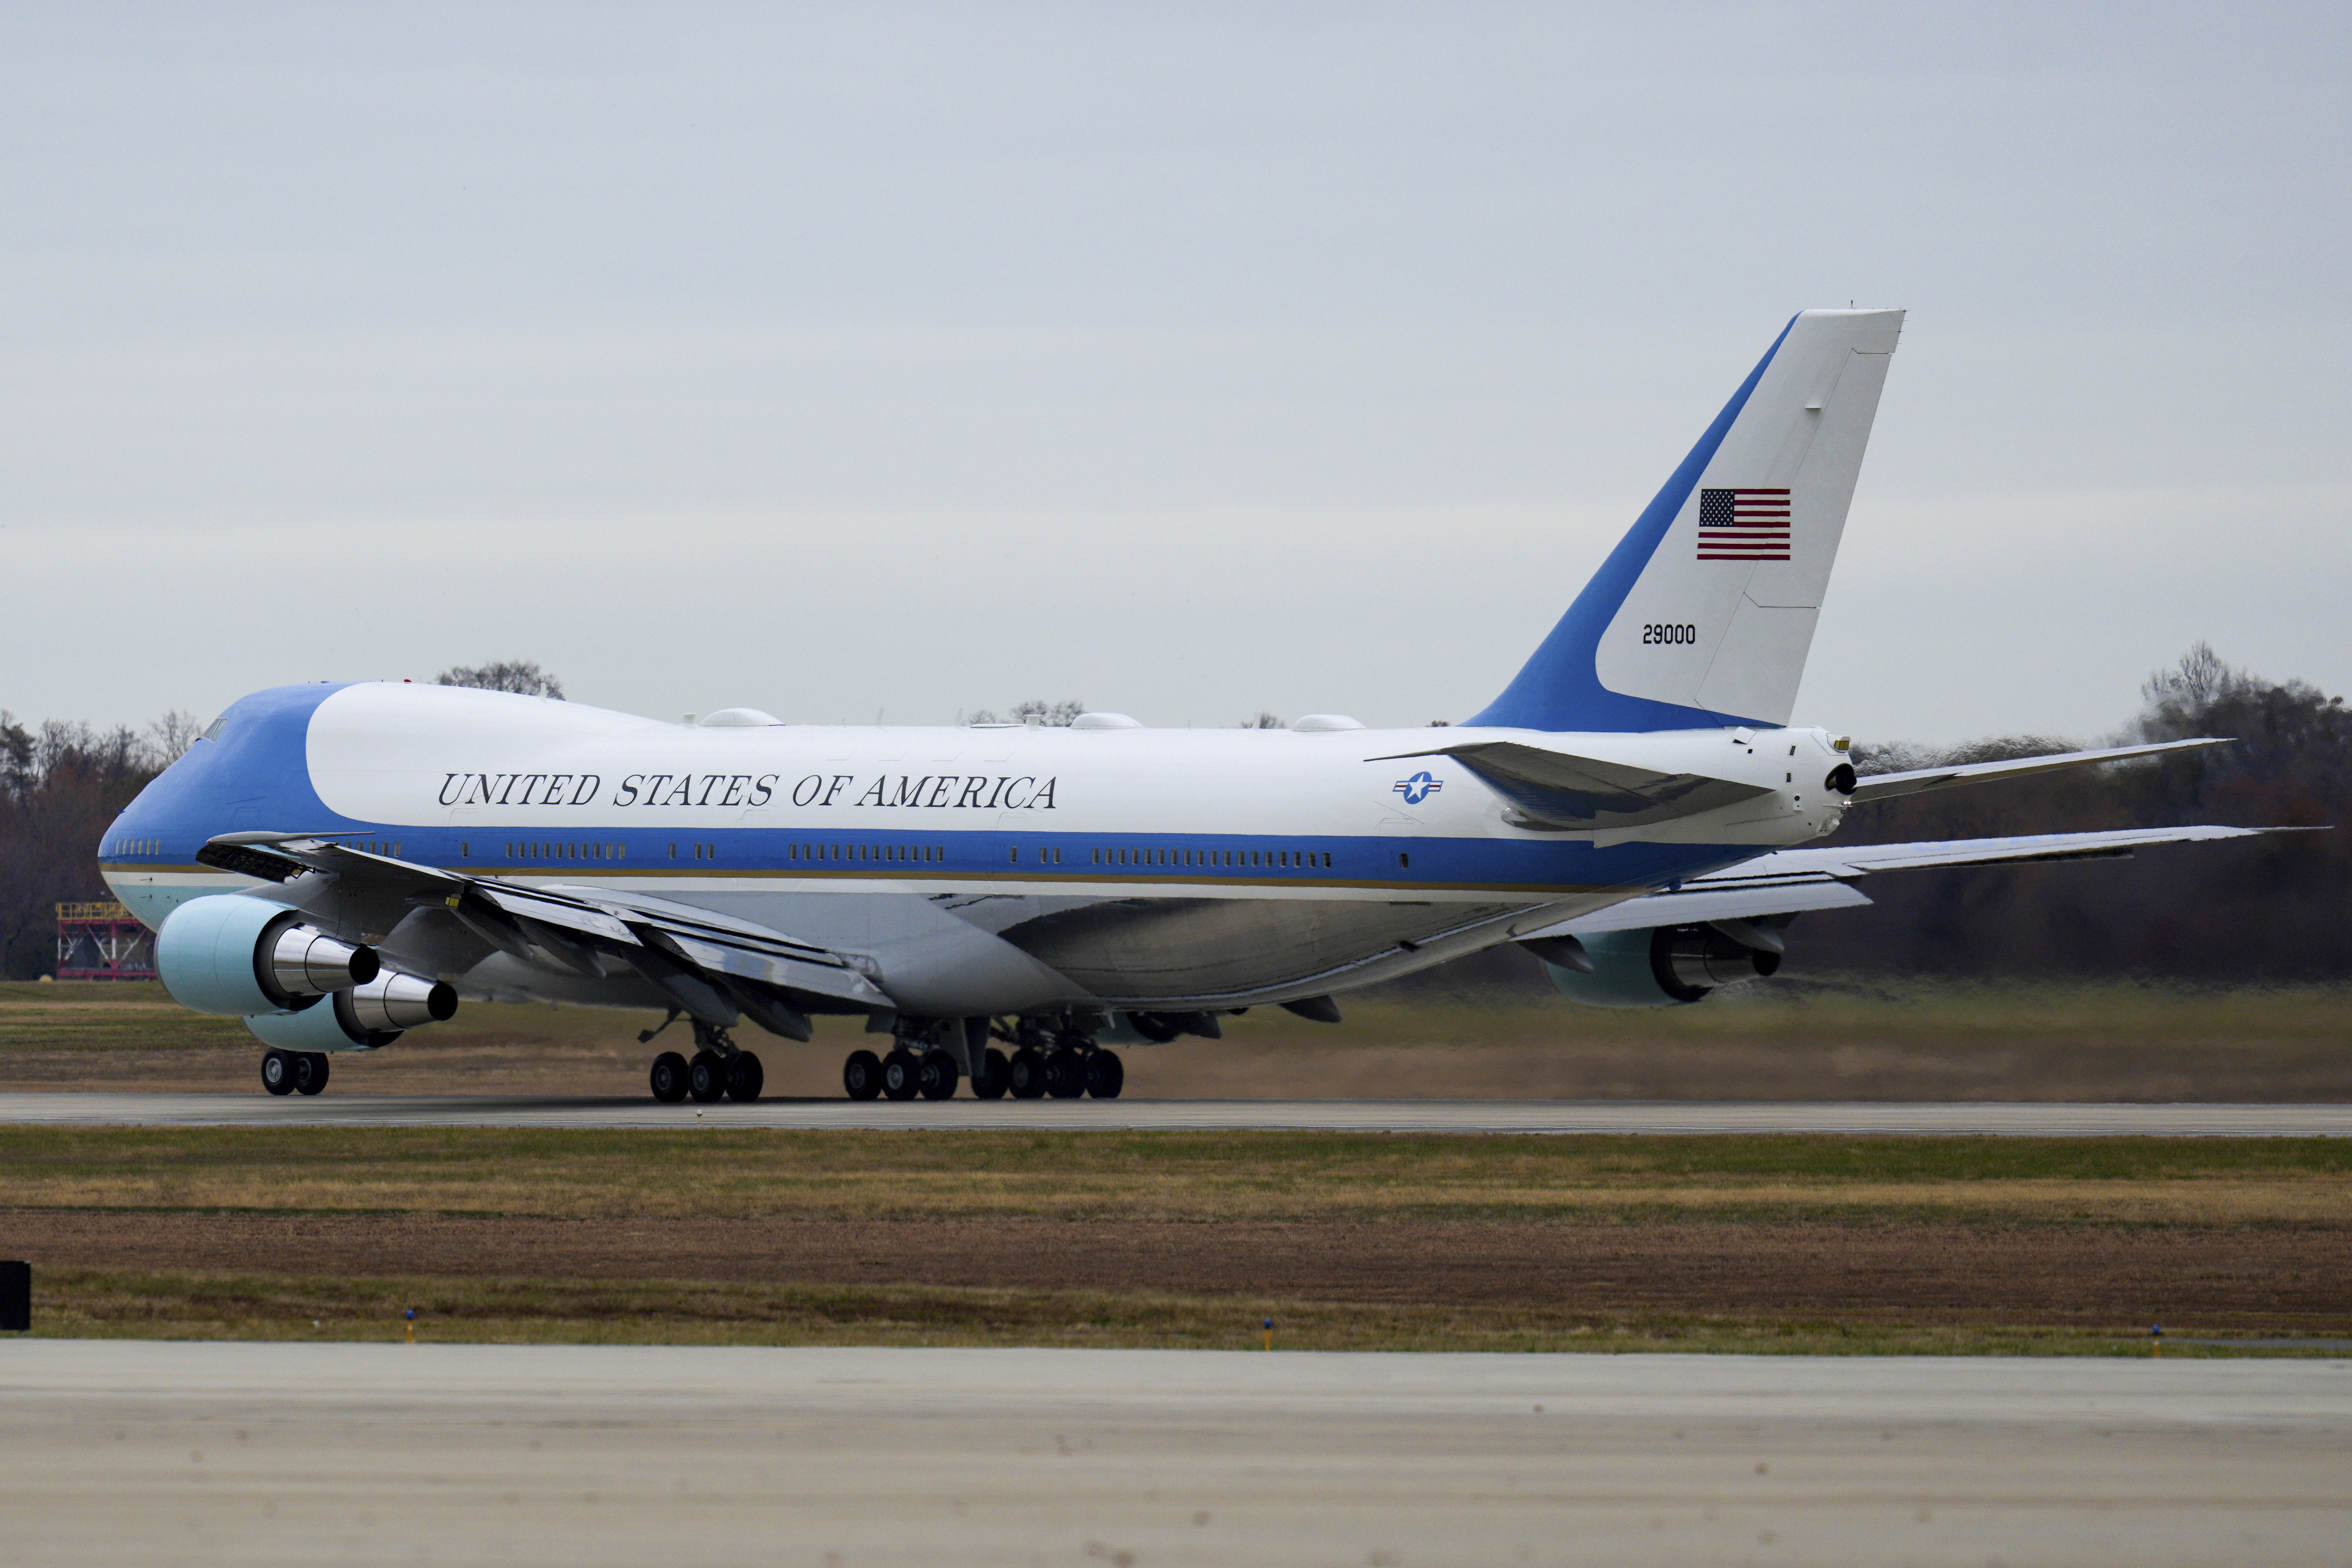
1669, 632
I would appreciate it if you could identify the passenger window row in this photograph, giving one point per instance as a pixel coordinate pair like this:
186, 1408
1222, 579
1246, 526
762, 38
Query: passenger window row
1220, 859
866, 852
540, 851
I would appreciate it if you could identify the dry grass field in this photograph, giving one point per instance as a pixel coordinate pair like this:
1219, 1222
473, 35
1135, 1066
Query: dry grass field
1127, 1238
1817, 1040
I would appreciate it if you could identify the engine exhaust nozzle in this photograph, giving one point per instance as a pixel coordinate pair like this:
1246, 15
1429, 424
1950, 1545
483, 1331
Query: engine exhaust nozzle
303, 962
401, 1002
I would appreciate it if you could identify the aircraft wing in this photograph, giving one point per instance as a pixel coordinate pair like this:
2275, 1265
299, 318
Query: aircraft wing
1562, 790
704, 961
1791, 881
1887, 786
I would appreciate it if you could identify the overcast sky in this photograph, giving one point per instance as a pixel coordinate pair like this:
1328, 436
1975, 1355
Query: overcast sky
1188, 359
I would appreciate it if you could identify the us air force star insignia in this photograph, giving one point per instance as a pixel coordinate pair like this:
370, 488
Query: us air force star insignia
1419, 787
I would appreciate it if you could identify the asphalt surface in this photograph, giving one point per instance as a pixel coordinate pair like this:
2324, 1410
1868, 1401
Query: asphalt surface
131, 1452
1677, 1117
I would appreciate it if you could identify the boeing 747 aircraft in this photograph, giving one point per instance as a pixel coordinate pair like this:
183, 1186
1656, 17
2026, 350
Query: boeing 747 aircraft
1002, 904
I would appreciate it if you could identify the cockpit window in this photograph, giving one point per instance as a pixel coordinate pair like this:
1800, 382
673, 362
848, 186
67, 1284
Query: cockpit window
213, 730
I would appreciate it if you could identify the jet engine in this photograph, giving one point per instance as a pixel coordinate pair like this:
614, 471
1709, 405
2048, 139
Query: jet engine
361, 1019
1666, 966
238, 956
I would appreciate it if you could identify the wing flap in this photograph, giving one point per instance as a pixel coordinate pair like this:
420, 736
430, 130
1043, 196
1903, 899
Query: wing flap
569, 928
788, 971
572, 914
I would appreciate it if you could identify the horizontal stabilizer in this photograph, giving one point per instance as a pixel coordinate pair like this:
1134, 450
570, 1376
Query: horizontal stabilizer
1886, 786
1793, 881
1562, 790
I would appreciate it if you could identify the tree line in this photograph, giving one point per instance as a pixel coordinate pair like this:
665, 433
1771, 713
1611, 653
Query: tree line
62, 784
2257, 910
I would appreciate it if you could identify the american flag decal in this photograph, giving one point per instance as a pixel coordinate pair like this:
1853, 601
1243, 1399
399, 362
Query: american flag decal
1743, 525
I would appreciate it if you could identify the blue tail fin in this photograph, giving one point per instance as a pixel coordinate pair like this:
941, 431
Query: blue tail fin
1704, 613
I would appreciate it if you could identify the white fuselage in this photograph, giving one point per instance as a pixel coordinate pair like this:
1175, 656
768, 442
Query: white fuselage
980, 867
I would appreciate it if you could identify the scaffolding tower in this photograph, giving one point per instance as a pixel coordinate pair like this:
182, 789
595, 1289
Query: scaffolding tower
103, 941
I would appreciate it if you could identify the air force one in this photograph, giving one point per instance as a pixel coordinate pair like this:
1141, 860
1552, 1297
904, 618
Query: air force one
338, 863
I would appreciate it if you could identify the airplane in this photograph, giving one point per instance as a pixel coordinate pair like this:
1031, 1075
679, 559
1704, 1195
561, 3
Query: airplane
337, 863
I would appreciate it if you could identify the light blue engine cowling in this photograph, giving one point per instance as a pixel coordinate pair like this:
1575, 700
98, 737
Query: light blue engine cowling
360, 1020
1664, 966
238, 956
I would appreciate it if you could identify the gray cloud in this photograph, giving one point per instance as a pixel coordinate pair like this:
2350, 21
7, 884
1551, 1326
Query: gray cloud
859, 359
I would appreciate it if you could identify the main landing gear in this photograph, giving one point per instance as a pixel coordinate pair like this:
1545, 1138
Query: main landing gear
719, 1069
293, 1072
927, 1059
907, 1070
1065, 1063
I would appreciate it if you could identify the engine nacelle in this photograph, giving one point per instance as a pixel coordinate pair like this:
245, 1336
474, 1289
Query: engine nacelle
360, 1020
1665, 967
239, 956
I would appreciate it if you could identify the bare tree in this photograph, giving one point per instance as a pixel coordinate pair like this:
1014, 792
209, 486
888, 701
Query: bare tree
1060, 715
2198, 681
1262, 721
17, 776
520, 676
169, 738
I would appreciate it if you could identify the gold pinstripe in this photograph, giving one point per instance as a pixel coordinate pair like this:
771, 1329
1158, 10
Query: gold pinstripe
471, 869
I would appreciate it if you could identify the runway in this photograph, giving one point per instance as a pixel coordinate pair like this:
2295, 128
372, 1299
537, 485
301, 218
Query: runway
261, 1454
1468, 1116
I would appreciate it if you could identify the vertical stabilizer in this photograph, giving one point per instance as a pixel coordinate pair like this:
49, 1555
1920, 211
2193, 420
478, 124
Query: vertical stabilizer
1704, 613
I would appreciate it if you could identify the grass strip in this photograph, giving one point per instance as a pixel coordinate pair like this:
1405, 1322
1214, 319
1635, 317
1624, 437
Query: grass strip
1174, 1177
166, 1304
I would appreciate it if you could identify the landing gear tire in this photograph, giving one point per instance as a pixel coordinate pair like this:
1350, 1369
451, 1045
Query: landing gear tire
1105, 1074
1025, 1075
705, 1077
1065, 1075
278, 1071
668, 1078
901, 1075
937, 1076
861, 1075
745, 1077
310, 1071
992, 1077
